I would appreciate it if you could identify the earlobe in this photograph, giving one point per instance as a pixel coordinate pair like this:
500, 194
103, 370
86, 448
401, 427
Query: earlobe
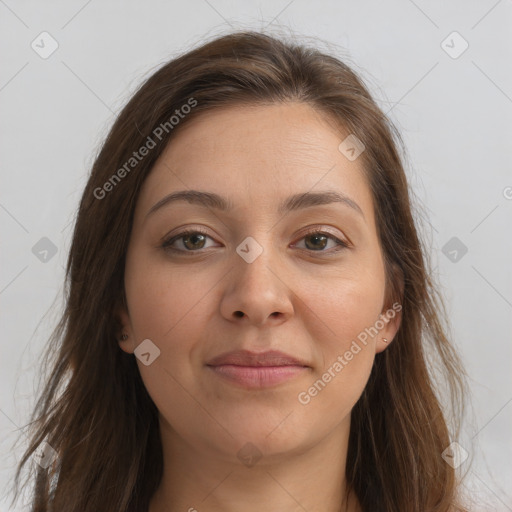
392, 315
126, 343
382, 344
124, 333
392, 318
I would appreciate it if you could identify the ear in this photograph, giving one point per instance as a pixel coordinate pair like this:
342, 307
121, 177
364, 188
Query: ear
391, 314
124, 326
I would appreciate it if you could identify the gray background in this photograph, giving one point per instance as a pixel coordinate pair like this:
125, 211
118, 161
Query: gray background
454, 114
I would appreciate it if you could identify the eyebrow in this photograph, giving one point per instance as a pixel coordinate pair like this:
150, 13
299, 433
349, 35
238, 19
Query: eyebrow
292, 203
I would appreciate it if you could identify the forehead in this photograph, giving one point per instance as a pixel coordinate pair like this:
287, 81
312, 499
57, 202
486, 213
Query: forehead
257, 155
291, 131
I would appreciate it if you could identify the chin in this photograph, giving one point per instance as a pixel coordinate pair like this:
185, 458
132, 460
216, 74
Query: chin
271, 442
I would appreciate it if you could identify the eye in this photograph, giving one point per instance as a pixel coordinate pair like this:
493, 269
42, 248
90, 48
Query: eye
190, 239
193, 240
316, 241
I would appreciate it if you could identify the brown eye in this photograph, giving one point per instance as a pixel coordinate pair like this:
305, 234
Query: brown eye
187, 241
194, 241
317, 241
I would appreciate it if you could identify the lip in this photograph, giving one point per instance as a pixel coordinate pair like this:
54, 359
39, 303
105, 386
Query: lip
253, 370
248, 358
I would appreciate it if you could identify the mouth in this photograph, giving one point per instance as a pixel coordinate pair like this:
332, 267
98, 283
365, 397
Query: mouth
251, 370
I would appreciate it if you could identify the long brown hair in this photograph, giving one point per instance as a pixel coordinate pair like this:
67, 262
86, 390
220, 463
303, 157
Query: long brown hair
94, 410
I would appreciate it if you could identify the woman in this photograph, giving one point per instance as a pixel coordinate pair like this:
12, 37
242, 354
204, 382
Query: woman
249, 311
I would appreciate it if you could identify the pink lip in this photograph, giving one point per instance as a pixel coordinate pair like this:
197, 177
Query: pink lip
253, 370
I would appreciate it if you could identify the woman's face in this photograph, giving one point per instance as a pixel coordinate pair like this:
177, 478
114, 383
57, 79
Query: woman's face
267, 273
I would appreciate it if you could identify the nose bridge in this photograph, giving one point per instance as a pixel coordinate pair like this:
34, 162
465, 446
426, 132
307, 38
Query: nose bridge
256, 262
256, 289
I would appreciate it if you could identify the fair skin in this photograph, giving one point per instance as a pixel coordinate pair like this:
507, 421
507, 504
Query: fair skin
298, 296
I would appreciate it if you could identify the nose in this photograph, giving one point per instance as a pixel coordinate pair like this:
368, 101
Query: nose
257, 293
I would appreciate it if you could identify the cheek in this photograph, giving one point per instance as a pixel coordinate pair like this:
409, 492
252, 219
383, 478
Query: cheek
169, 307
346, 355
343, 327
346, 307
162, 299
173, 308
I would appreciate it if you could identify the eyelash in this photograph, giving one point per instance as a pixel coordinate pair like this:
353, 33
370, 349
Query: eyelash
166, 245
